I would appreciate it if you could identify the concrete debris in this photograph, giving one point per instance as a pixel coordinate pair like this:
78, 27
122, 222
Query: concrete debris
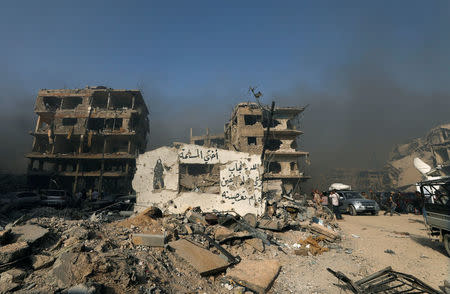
12, 252
202, 260
327, 233
41, 261
256, 243
29, 233
151, 240
271, 224
5, 236
257, 275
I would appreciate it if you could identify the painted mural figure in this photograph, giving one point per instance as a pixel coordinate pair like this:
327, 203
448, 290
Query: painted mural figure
158, 173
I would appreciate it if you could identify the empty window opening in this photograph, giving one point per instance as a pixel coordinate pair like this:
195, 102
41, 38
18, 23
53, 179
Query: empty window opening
99, 100
65, 146
251, 119
52, 103
96, 124
293, 166
71, 102
202, 178
274, 122
199, 142
273, 144
120, 101
251, 140
90, 165
274, 167
217, 142
291, 125
69, 121
294, 145
115, 145
113, 123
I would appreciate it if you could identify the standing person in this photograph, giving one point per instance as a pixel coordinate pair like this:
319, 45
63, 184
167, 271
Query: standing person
335, 202
392, 205
316, 198
324, 200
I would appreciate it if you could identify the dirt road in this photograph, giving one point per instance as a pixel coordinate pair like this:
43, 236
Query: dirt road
406, 235
362, 252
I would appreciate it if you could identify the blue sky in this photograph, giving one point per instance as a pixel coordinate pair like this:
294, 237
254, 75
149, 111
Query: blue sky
196, 58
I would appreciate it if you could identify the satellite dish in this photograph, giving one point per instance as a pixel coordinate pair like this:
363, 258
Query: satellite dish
421, 166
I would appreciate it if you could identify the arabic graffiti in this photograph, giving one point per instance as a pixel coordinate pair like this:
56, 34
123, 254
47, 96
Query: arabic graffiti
240, 181
206, 155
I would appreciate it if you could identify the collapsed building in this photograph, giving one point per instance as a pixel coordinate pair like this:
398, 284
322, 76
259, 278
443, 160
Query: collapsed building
433, 149
227, 171
87, 139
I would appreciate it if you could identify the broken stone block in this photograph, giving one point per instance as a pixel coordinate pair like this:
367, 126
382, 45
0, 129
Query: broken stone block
196, 218
202, 260
257, 275
271, 224
29, 233
256, 243
250, 218
71, 268
13, 252
12, 275
8, 287
223, 234
151, 240
41, 261
5, 236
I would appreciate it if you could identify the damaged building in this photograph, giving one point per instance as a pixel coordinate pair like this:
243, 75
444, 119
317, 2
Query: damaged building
177, 178
247, 130
87, 139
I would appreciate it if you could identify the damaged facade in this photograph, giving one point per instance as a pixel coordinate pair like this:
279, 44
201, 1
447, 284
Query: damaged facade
246, 131
87, 139
176, 178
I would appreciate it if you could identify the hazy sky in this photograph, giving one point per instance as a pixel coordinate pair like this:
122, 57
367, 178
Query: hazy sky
373, 73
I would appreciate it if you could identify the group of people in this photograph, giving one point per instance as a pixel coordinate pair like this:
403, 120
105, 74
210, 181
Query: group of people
92, 195
322, 199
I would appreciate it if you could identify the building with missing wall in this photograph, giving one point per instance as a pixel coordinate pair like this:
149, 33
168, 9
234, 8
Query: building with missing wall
245, 132
87, 139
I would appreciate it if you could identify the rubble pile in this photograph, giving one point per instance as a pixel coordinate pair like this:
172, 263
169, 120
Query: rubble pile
70, 251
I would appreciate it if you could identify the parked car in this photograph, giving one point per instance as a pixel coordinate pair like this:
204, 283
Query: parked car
353, 202
18, 200
408, 202
58, 198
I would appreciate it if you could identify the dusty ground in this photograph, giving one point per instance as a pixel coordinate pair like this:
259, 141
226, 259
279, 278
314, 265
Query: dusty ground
363, 254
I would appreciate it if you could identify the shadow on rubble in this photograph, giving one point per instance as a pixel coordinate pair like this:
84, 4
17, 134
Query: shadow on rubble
427, 242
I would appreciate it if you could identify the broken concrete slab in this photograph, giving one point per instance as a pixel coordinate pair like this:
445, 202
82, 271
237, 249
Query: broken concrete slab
196, 218
41, 261
301, 251
71, 268
271, 224
250, 218
256, 243
29, 233
152, 240
12, 275
257, 275
82, 289
12, 252
223, 234
203, 261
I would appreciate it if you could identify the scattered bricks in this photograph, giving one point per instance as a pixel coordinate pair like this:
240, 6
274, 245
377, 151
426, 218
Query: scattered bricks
41, 261
257, 275
5, 236
202, 260
29, 233
148, 240
13, 252
329, 234
256, 243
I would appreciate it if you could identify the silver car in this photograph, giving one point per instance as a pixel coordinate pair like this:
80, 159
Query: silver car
19, 200
353, 202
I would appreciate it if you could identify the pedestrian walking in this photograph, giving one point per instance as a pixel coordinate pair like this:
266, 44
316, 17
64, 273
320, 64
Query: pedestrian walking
392, 206
335, 203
